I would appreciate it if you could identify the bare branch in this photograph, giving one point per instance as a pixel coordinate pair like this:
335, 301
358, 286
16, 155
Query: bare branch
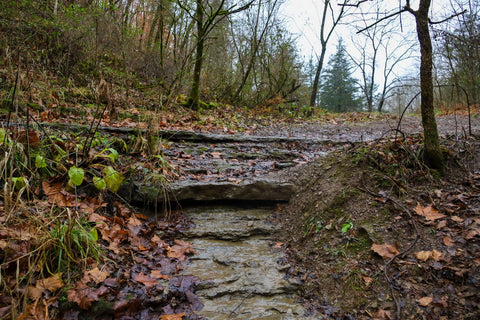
353, 5
383, 19
446, 19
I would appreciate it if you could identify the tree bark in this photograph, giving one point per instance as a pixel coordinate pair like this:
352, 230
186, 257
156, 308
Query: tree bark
433, 153
194, 97
316, 80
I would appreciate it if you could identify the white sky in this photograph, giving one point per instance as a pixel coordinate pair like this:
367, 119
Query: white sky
302, 18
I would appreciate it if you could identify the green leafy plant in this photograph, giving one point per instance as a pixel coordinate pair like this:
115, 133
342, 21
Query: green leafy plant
109, 153
76, 176
313, 225
347, 226
113, 179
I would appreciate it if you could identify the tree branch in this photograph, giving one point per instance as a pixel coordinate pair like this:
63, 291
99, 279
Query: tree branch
446, 19
383, 19
353, 5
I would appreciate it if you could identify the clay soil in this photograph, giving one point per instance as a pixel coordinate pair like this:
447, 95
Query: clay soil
374, 234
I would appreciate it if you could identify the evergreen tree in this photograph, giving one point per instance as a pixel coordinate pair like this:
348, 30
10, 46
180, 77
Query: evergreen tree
339, 88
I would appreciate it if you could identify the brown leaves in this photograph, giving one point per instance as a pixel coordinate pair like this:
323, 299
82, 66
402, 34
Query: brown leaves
173, 316
95, 275
430, 213
385, 250
425, 255
381, 314
180, 250
146, 280
51, 284
448, 241
425, 301
83, 294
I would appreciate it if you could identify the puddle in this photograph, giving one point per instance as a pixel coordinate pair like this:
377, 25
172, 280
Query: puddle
243, 276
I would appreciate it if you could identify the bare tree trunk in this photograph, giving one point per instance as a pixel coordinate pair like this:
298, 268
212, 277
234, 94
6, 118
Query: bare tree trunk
316, 81
433, 153
194, 97
324, 41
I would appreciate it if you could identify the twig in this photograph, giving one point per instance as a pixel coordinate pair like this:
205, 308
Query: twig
239, 305
405, 110
86, 147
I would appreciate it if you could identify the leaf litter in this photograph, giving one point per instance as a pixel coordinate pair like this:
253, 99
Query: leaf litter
136, 278
379, 270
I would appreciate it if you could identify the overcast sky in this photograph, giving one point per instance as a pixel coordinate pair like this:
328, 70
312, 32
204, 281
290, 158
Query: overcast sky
302, 18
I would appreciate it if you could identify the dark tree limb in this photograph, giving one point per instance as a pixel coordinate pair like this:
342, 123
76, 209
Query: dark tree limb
446, 19
383, 19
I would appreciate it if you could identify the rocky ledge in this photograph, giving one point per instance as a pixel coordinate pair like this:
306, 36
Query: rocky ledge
262, 190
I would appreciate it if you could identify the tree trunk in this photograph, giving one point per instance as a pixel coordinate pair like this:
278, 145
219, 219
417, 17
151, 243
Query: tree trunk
194, 98
433, 153
323, 41
316, 81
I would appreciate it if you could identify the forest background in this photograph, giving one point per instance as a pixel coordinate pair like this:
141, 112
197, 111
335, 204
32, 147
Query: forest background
236, 53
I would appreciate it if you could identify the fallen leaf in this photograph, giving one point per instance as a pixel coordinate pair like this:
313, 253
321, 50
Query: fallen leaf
134, 225
423, 255
441, 302
442, 224
425, 301
472, 233
178, 316
146, 280
157, 274
180, 249
158, 241
96, 275
436, 255
384, 250
367, 280
430, 213
457, 219
83, 296
51, 284
216, 155
449, 242
278, 245
381, 314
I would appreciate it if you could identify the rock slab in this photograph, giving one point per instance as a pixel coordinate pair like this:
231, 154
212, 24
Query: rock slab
243, 275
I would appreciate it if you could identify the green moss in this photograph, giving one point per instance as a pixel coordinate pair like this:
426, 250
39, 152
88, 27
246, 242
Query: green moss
360, 244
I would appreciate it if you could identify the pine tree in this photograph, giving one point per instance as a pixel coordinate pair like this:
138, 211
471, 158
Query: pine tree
339, 89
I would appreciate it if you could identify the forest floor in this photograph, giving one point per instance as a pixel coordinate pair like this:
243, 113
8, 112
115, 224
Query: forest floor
377, 235
372, 233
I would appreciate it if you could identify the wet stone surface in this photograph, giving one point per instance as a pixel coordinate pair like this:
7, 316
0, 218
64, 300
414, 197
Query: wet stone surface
237, 162
243, 275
